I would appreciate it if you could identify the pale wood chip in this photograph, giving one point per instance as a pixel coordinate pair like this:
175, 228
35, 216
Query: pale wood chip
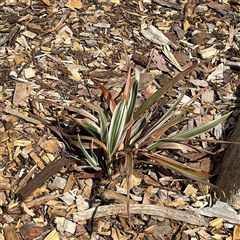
29, 34
171, 58
190, 190
37, 160
2, 198
208, 52
29, 73
102, 25
51, 145
221, 210
23, 41
115, 1
81, 203
59, 182
59, 222
21, 94
30, 212
207, 96
69, 226
217, 74
156, 36
67, 198
218, 130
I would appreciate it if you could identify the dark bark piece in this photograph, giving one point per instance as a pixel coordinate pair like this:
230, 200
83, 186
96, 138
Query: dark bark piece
228, 178
140, 59
51, 169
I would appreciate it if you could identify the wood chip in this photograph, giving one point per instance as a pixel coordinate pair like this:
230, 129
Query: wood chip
221, 210
10, 232
21, 94
208, 52
156, 36
68, 198
29, 34
53, 235
190, 190
51, 145
37, 160
81, 204
59, 182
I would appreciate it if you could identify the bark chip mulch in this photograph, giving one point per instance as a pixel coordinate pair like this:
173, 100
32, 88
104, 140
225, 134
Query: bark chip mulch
48, 49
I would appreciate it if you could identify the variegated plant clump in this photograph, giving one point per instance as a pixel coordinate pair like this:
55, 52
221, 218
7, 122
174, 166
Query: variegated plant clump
123, 132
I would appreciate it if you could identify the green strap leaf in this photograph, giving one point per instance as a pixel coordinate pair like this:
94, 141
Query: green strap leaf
137, 128
92, 161
201, 129
91, 128
132, 100
190, 133
103, 126
154, 98
169, 112
117, 126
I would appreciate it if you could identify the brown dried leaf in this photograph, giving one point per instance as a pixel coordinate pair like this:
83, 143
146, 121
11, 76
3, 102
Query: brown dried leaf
160, 62
218, 6
107, 95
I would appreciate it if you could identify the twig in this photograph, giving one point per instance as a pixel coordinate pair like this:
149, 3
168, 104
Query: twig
166, 212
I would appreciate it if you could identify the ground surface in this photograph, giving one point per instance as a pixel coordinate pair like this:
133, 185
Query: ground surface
47, 50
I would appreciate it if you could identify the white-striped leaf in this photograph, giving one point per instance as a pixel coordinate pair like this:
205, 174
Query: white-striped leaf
117, 126
91, 128
92, 161
103, 126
